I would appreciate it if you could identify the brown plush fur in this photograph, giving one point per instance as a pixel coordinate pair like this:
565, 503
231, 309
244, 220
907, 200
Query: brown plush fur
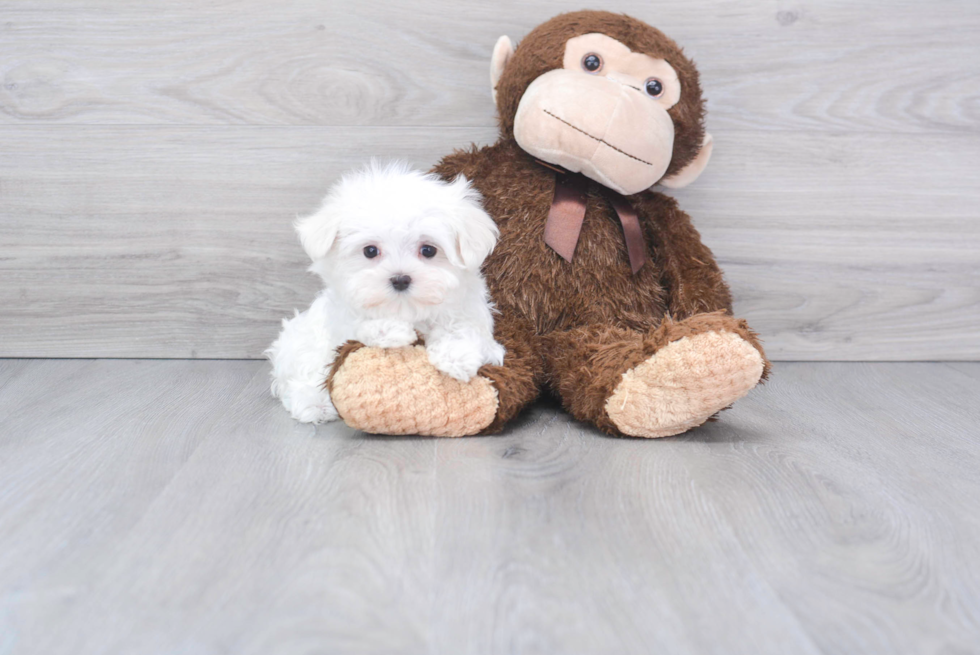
576, 328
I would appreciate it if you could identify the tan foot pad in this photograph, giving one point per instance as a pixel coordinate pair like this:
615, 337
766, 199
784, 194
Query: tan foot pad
684, 384
398, 391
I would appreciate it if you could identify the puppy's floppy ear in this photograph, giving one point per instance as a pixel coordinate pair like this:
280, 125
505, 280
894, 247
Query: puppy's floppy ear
318, 232
476, 233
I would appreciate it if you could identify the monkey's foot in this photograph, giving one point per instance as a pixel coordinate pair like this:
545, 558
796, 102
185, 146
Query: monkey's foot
684, 384
397, 391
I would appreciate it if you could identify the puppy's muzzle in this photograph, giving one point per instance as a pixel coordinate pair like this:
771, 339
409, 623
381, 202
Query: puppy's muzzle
400, 282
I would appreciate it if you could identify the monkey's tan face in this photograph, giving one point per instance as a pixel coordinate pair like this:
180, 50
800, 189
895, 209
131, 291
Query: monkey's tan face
603, 114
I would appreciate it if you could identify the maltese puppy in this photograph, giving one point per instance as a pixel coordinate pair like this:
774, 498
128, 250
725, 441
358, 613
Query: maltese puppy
400, 253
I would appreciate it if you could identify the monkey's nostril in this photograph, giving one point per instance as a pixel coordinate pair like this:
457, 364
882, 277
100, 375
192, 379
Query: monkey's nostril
401, 282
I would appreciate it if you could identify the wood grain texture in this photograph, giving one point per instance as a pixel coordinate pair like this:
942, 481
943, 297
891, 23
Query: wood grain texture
153, 507
167, 242
831, 65
153, 155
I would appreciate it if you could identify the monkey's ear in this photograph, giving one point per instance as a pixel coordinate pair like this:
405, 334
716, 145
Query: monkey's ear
501, 55
691, 172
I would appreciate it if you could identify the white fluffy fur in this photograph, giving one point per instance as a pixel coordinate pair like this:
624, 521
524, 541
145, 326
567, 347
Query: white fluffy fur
397, 210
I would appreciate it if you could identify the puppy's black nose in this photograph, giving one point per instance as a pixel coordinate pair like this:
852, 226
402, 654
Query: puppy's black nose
401, 282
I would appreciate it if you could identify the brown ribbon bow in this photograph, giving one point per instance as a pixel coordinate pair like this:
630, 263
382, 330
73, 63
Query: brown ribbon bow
564, 224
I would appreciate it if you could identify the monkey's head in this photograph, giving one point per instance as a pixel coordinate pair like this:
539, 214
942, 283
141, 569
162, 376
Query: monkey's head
604, 95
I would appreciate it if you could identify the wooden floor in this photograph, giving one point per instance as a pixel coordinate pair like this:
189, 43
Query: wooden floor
173, 507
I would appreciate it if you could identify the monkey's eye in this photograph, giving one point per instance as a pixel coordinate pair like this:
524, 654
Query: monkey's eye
592, 62
654, 87
428, 251
371, 252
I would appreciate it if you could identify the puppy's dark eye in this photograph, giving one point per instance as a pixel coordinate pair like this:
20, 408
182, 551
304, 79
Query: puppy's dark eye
654, 87
592, 62
428, 251
371, 252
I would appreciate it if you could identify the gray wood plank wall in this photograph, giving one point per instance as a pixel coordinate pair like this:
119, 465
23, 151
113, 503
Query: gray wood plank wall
154, 154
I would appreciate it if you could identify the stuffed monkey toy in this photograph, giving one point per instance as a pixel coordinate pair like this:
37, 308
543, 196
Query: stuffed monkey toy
607, 297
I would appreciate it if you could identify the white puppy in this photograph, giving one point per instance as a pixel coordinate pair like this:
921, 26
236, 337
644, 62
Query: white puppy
399, 253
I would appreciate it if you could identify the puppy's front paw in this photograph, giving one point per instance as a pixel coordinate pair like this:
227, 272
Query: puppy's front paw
456, 358
386, 333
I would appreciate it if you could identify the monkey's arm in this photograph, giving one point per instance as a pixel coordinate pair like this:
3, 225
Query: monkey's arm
691, 277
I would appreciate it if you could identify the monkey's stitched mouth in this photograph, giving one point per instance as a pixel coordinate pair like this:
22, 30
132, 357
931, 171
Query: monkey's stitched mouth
595, 138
